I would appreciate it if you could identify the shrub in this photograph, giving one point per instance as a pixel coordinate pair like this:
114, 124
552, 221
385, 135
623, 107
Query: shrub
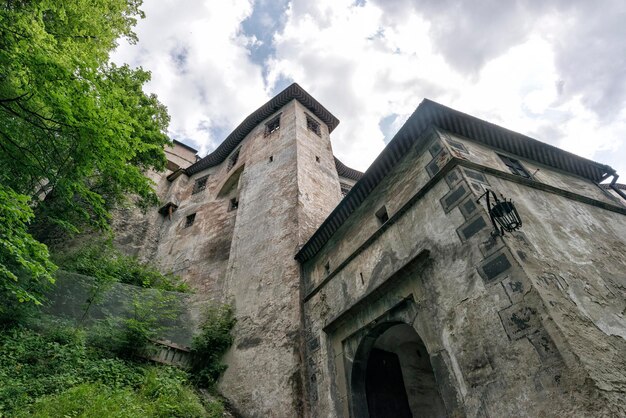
89, 400
102, 261
129, 335
210, 344
57, 375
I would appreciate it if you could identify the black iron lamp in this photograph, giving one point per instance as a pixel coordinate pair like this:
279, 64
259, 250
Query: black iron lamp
503, 213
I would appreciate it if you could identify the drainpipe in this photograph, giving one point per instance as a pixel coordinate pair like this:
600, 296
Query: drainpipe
614, 187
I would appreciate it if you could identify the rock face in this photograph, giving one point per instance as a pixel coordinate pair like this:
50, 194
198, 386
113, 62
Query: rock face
398, 300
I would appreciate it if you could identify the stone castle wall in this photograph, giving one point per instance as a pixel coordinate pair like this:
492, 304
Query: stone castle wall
522, 325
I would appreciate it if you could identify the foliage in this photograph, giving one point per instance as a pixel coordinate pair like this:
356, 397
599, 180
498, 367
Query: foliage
76, 131
102, 261
57, 374
25, 268
211, 344
129, 336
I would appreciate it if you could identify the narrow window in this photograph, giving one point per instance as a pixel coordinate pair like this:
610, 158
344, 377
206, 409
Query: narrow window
515, 166
327, 268
200, 184
361, 276
271, 158
382, 215
233, 205
317, 159
233, 159
189, 220
345, 188
313, 125
272, 126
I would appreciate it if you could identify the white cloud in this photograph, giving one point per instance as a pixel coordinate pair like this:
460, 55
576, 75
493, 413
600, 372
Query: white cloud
501, 64
200, 63
554, 70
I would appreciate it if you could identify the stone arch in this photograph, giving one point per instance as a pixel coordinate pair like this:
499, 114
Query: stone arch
392, 375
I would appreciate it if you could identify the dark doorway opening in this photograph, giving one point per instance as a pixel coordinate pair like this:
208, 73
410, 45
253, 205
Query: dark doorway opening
392, 376
384, 386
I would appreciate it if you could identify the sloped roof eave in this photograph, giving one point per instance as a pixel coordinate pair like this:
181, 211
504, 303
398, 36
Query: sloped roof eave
428, 114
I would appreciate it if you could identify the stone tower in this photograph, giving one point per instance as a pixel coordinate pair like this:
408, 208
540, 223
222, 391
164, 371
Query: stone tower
287, 186
231, 224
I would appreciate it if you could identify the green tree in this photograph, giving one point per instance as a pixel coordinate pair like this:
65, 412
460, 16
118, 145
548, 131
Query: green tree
24, 265
77, 132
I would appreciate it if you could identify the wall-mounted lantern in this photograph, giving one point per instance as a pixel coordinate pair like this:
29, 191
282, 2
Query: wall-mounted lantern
168, 209
503, 213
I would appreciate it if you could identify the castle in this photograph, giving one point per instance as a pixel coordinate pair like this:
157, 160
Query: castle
400, 292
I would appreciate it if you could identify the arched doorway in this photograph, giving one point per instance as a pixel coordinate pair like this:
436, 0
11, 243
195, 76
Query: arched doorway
392, 376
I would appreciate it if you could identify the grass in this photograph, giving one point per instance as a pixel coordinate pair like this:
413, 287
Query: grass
59, 375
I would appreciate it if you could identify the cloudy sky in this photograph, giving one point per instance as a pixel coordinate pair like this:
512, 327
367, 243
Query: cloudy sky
553, 70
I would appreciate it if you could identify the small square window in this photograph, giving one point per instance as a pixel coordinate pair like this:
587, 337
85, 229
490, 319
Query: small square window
313, 125
515, 166
189, 220
233, 205
382, 215
233, 159
272, 126
200, 184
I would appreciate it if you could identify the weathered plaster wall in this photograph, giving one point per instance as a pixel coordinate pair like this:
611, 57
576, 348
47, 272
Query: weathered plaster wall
575, 256
363, 223
318, 183
493, 344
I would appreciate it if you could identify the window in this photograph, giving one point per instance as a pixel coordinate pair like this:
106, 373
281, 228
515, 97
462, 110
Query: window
313, 125
233, 159
317, 159
345, 188
189, 220
327, 268
233, 205
200, 184
382, 215
273, 125
515, 166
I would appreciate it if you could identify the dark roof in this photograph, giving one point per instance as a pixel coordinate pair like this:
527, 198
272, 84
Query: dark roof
292, 92
617, 185
347, 172
430, 113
